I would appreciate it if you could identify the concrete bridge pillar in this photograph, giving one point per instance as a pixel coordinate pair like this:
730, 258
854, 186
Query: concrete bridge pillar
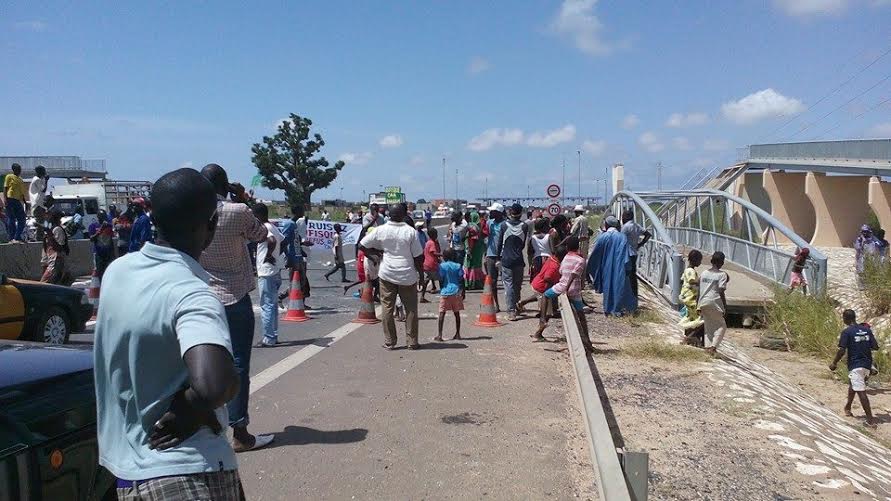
841, 204
789, 203
880, 201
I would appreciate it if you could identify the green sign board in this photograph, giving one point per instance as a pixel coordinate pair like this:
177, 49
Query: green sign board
394, 197
393, 189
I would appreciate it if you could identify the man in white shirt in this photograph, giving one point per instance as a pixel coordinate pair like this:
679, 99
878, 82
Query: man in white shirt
633, 232
270, 262
400, 269
37, 194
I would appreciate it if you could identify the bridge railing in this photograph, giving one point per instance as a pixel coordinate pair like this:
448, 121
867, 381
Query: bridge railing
712, 220
658, 262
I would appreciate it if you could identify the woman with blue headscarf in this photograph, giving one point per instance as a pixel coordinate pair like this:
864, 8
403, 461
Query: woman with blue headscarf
607, 268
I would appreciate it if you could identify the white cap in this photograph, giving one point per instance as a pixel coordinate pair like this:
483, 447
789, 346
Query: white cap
497, 206
579, 208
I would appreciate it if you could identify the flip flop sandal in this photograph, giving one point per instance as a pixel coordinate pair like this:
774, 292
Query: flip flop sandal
260, 441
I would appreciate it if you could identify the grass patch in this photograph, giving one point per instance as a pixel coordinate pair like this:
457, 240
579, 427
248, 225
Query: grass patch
655, 348
877, 285
643, 316
812, 326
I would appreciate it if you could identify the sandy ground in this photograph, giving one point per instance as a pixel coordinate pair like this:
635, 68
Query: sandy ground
731, 428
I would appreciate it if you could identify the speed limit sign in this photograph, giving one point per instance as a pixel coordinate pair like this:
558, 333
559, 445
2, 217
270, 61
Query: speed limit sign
554, 209
554, 190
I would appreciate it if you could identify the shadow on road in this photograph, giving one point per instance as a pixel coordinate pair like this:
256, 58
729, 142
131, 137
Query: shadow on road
301, 435
476, 338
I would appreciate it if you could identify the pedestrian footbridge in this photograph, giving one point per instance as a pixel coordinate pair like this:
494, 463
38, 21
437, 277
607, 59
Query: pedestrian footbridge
759, 248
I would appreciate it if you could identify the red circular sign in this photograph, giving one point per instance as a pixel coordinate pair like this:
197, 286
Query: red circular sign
554, 209
553, 190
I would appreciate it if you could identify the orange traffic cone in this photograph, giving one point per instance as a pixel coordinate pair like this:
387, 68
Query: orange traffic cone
93, 292
487, 316
296, 311
367, 314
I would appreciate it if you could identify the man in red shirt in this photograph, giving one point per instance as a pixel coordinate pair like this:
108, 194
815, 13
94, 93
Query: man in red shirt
544, 280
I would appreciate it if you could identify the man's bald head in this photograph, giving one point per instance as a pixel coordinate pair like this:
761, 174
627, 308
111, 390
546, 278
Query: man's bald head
217, 177
183, 204
397, 213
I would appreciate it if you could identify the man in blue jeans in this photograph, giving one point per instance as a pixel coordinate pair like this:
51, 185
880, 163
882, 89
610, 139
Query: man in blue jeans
227, 261
14, 189
513, 242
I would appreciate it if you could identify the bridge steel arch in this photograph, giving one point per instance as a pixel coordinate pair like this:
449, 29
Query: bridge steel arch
712, 220
658, 262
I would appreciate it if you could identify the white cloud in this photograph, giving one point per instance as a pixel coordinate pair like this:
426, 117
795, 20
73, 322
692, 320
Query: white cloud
715, 144
416, 161
495, 137
650, 142
356, 158
576, 21
686, 120
681, 143
594, 148
757, 106
630, 122
882, 130
551, 138
478, 65
35, 26
803, 8
391, 141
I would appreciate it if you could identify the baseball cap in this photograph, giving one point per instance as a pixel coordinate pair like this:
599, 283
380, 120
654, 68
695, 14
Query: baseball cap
497, 206
579, 208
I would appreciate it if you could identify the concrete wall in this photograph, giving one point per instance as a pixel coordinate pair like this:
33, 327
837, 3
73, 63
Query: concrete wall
840, 204
789, 203
880, 201
23, 260
750, 187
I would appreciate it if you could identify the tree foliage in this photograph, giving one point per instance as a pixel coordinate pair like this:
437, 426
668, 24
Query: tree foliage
286, 161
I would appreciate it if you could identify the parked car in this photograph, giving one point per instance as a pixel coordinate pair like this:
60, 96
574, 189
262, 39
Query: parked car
35, 311
48, 446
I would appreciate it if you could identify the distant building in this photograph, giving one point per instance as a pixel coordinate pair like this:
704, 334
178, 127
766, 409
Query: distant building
65, 167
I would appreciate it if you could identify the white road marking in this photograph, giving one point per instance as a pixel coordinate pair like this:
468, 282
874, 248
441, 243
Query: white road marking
277, 370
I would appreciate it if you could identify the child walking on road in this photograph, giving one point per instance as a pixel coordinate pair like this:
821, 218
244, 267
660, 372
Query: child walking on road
431, 264
451, 292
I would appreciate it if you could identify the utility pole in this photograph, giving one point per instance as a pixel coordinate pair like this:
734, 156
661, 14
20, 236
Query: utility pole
486, 189
579, 152
563, 184
659, 176
456, 189
443, 181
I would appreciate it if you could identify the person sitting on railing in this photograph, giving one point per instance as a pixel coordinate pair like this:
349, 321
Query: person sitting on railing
798, 279
608, 270
572, 272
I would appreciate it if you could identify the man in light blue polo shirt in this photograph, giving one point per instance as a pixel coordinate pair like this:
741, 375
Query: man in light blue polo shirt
163, 358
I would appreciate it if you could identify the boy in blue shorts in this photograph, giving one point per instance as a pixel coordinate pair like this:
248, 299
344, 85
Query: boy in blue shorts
451, 291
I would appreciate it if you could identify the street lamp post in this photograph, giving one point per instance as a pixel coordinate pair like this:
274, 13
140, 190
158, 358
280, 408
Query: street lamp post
579, 152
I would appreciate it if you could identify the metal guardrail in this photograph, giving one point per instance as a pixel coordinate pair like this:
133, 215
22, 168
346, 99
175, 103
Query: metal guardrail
658, 262
611, 479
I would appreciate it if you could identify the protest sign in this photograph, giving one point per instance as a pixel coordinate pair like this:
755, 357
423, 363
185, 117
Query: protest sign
321, 233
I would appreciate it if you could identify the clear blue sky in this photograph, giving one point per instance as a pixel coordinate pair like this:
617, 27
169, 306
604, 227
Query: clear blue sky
503, 90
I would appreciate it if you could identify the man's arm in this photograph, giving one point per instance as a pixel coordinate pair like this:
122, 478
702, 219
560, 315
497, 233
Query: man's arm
254, 230
212, 382
838, 356
646, 238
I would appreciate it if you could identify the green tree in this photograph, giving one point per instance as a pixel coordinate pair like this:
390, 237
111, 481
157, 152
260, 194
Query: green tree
286, 161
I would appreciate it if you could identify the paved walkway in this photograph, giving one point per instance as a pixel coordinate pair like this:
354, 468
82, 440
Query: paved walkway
841, 460
492, 416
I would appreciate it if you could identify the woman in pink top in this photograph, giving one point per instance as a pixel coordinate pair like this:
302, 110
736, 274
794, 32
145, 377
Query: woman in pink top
432, 256
572, 272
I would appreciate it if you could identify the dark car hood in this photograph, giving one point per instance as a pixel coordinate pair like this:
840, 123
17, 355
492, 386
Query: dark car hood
44, 288
22, 363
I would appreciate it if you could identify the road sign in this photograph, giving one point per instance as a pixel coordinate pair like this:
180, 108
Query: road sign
554, 190
554, 209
